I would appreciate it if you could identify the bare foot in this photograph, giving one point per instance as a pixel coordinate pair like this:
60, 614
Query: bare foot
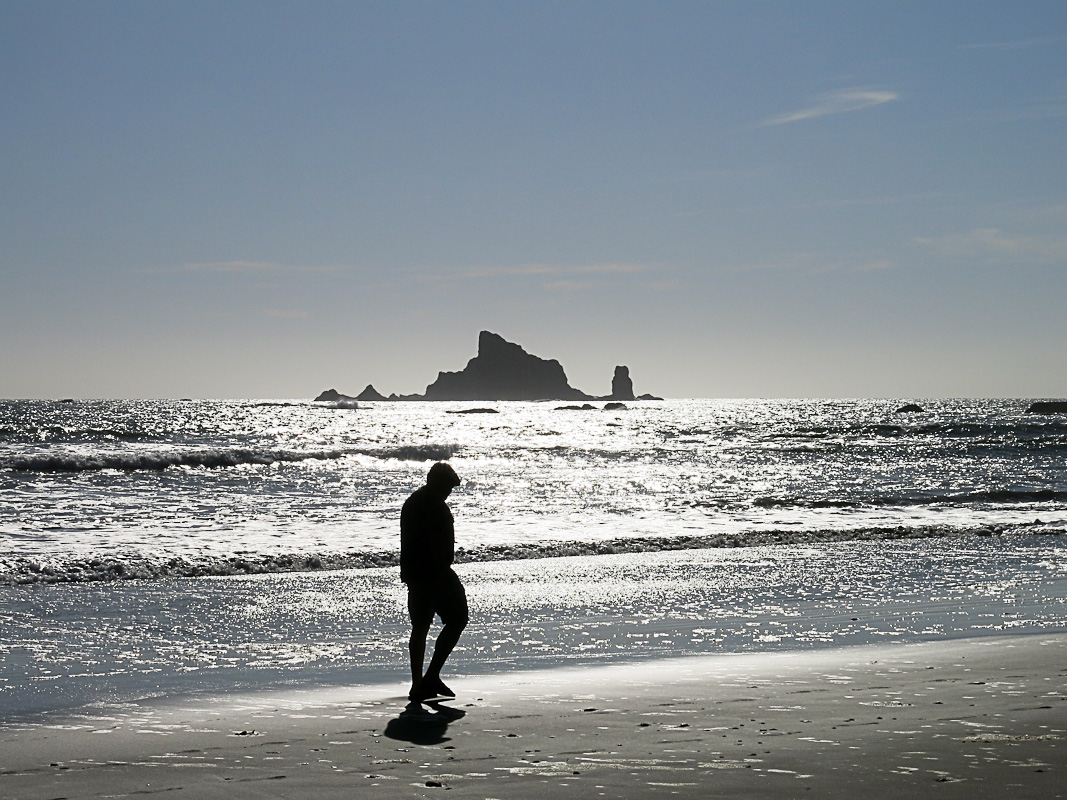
438, 686
429, 687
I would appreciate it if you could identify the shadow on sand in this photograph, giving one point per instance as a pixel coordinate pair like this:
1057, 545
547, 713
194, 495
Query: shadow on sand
423, 723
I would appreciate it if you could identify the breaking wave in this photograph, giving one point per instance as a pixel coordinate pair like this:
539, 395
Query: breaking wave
59, 433
995, 496
213, 458
420, 452
993, 432
23, 571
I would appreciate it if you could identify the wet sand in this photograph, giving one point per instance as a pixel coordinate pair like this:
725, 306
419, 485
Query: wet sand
984, 717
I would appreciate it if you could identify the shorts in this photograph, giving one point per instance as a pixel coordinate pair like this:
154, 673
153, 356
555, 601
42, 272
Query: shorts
444, 597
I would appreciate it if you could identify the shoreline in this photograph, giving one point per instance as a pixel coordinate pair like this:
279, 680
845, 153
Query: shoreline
893, 719
133, 639
19, 571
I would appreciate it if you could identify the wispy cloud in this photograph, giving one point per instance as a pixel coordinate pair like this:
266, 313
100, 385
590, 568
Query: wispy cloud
814, 264
701, 175
1037, 110
840, 102
566, 286
1052, 216
557, 278
876, 265
617, 269
556, 269
785, 263
1020, 44
234, 266
992, 241
253, 267
887, 200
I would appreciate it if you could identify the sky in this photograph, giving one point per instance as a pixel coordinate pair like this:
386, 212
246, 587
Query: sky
733, 198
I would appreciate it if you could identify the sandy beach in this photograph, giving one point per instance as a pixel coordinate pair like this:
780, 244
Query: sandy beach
981, 717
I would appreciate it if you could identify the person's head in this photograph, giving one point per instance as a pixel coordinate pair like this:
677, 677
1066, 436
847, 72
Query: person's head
442, 478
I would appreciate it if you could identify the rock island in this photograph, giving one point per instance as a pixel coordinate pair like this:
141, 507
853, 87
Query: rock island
503, 370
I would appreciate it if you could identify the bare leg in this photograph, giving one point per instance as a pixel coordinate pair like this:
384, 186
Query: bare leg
454, 616
442, 649
417, 650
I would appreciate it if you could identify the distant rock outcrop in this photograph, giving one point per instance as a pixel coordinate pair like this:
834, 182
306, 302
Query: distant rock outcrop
1048, 407
622, 388
370, 394
591, 407
910, 408
333, 396
502, 370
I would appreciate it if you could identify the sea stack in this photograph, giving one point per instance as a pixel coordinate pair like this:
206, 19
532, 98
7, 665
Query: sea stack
370, 393
622, 388
502, 370
333, 396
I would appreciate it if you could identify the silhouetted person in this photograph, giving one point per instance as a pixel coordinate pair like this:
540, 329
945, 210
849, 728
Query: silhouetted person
427, 549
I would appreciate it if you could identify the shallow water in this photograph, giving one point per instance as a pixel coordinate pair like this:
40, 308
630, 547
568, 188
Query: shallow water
95, 491
66, 645
106, 489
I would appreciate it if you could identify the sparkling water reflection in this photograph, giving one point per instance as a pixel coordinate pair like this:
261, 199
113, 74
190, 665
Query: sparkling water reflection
146, 484
69, 644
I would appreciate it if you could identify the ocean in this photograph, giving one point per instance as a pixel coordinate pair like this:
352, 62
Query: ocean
155, 548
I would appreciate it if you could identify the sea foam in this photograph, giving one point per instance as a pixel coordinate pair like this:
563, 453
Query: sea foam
22, 571
213, 458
